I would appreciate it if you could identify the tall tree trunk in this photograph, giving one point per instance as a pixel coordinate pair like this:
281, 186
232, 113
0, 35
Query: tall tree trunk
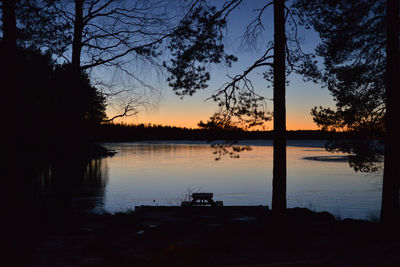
77, 41
10, 91
279, 168
74, 115
9, 26
10, 110
391, 175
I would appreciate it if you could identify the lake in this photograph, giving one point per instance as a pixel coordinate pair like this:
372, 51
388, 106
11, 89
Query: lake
164, 173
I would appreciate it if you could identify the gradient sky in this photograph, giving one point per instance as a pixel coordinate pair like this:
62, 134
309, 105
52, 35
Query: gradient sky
301, 96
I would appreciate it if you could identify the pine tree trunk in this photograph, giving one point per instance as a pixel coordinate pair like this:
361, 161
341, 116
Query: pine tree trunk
77, 41
9, 62
75, 115
391, 175
9, 26
279, 159
10, 91
11, 114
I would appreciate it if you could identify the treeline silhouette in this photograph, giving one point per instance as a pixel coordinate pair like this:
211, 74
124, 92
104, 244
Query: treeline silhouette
120, 132
51, 113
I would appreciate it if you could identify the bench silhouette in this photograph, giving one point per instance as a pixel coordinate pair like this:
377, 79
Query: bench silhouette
202, 199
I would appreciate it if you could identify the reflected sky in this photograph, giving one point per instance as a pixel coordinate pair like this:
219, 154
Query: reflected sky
162, 173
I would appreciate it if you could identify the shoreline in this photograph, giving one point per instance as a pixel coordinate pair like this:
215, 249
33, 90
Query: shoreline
216, 236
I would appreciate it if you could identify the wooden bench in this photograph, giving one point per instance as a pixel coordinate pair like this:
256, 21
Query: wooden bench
202, 199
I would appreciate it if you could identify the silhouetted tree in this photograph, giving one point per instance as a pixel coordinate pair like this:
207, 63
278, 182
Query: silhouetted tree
9, 90
390, 212
360, 48
91, 33
117, 35
353, 50
200, 44
46, 104
39, 27
88, 34
35, 27
279, 168
9, 26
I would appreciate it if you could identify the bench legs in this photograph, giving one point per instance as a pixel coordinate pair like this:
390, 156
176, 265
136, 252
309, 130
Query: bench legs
202, 202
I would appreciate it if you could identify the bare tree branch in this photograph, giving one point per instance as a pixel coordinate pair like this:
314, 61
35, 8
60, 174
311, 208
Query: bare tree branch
129, 110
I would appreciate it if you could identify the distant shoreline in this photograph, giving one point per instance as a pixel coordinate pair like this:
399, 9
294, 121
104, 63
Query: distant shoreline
134, 133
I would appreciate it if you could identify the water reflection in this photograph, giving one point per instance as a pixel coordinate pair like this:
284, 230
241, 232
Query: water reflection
161, 173
48, 189
329, 158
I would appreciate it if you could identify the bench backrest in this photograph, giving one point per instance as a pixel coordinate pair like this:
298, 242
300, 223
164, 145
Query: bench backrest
202, 195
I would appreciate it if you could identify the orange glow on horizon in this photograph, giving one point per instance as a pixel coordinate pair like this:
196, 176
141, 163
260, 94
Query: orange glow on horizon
291, 125
189, 113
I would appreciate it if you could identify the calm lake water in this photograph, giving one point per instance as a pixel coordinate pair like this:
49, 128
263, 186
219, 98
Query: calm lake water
162, 173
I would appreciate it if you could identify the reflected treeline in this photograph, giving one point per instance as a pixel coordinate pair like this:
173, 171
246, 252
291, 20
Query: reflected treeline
41, 192
364, 155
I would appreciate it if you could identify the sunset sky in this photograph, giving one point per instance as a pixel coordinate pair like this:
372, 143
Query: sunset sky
169, 109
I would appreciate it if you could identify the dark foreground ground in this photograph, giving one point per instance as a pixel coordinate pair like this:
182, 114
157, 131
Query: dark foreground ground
225, 236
